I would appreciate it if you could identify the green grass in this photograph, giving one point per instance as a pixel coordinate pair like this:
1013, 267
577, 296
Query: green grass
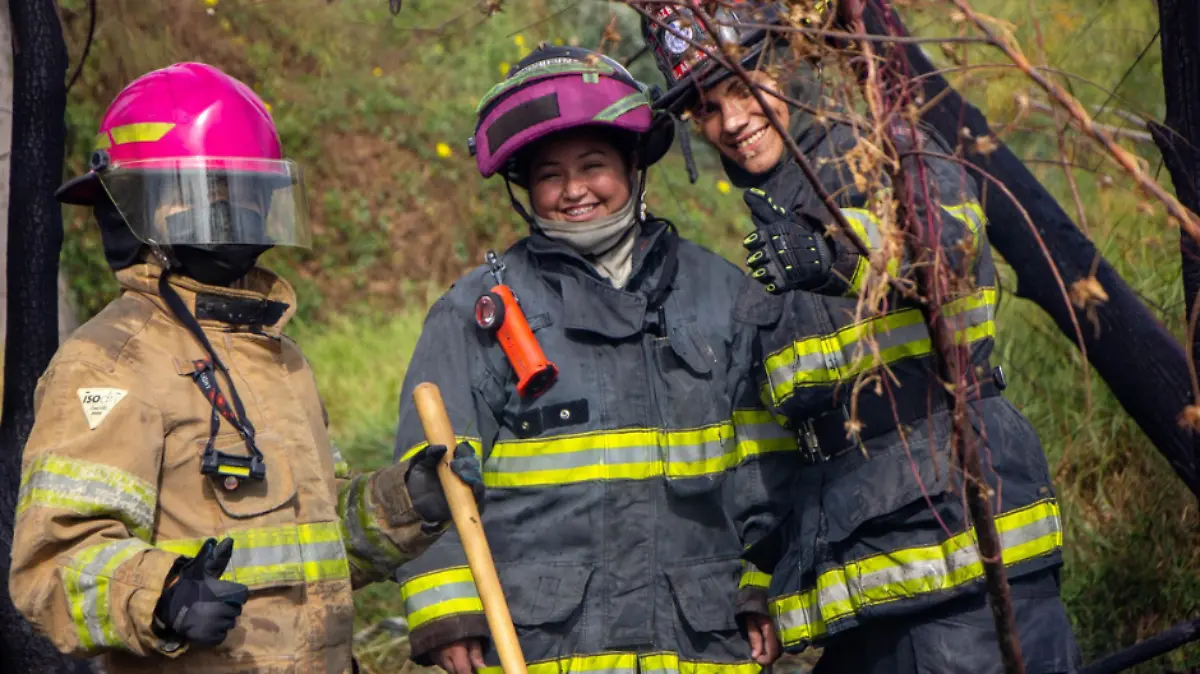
364, 100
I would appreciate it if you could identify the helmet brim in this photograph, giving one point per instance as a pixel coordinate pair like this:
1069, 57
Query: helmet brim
84, 190
683, 94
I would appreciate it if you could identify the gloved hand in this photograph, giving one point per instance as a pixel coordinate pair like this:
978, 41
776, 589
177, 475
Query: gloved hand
197, 607
786, 253
424, 488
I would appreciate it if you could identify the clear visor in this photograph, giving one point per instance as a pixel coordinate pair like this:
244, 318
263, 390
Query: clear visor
211, 201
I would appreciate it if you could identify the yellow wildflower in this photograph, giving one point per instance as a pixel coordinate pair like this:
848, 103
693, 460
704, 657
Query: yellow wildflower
558, 42
377, 71
225, 25
268, 107
723, 187
519, 40
210, 3
504, 68
443, 150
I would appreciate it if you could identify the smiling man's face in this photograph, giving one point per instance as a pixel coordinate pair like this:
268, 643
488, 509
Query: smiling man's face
731, 119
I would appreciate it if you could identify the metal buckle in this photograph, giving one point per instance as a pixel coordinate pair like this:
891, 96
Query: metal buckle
812, 448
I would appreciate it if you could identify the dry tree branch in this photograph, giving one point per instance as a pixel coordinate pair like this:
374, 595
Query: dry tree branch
1120, 155
952, 360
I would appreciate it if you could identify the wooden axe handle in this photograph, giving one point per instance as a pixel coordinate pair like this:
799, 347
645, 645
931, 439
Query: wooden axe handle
470, 529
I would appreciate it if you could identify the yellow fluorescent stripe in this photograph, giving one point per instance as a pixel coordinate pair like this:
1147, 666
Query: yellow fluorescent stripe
475, 443
859, 277
234, 470
633, 437
143, 132
754, 579
102, 142
458, 574
443, 609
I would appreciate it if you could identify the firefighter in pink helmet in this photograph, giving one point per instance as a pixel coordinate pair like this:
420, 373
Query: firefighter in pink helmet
181, 416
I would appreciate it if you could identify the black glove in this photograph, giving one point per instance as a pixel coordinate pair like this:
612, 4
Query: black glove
425, 489
786, 252
197, 607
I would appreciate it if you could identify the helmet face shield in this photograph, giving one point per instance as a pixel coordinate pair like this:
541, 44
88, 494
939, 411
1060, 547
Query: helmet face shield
207, 201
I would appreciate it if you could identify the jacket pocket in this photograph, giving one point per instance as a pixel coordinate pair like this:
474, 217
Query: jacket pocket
899, 473
252, 498
538, 594
706, 593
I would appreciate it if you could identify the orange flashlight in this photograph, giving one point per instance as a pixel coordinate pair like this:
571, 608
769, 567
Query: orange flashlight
499, 312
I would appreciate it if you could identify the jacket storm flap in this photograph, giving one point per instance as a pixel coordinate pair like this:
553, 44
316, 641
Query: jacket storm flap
878, 526
112, 494
619, 501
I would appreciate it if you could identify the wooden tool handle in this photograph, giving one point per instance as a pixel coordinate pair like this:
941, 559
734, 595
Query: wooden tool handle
470, 529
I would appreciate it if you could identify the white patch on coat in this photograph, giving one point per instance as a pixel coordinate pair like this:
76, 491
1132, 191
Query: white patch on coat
98, 402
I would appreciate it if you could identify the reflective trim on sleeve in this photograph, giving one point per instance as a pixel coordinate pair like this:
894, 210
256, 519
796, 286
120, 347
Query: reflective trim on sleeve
1025, 534
970, 214
341, 469
439, 594
758, 433
475, 443
86, 579
866, 225
752, 577
626, 454
366, 544
880, 340
89, 489
303, 553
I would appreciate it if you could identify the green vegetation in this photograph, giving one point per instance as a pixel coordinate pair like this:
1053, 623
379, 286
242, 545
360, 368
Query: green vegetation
378, 109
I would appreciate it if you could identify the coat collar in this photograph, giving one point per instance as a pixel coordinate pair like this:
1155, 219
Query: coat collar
262, 299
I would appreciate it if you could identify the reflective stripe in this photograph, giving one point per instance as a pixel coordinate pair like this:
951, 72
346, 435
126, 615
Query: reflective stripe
475, 443
752, 577
544, 69
367, 546
439, 594
627, 454
89, 489
971, 215
341, 469
142, 132
303, 553
881, 340
1025, 534
866, 225
630, 102
758, 433
633, 663
86, 584
102, 142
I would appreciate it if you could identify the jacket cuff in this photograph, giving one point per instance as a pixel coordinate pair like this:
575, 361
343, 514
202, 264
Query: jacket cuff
408, 531
445, 631
149, 577
751, 601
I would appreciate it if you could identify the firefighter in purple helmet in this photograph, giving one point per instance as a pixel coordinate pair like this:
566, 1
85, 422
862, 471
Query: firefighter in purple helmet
620, 498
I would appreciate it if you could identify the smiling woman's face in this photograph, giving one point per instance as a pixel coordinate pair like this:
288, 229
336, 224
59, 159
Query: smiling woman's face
578, 178
731, 120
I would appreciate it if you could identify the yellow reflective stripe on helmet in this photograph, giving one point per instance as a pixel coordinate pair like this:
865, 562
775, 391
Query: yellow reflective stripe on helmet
302, 553
758, 432
103, 142
1025, 534
439, 594
86, 581
89, 489
880, 340
626, 454
475, 443
141, 132
630, 102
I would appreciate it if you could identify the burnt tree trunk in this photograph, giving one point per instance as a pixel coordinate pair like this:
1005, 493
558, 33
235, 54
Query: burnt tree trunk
1179, 134
35, 238
1132, 351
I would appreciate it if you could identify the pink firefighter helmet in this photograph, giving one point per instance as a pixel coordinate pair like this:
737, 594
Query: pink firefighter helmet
559, 88
178, 147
